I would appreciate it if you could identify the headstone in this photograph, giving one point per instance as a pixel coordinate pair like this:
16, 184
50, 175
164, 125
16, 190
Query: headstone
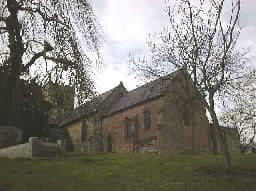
9, 136
61, 145
34, 139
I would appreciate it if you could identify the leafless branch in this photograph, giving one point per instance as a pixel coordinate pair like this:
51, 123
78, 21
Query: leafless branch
44, 16
3, 30
64, 61
3, 19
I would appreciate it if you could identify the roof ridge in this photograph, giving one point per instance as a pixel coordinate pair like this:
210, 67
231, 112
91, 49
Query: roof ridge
157, 79
141, 94
111, 90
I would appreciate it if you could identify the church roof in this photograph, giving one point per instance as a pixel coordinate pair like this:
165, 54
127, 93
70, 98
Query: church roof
142, 94
86, 109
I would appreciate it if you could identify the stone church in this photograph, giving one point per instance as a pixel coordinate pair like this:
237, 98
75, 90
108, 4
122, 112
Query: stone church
164, 115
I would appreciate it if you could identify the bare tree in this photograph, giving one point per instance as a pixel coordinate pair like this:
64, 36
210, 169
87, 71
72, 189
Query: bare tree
241, 112
40, 39
200, 38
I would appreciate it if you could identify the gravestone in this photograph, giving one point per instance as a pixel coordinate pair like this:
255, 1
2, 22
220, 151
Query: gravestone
9, 136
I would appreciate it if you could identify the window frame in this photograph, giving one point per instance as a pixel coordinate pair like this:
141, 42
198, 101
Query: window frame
84, 131
127, 127
147, 119
187, 118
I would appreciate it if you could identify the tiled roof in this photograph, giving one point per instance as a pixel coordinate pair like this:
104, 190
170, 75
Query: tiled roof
85, 109
134, 97
142, 94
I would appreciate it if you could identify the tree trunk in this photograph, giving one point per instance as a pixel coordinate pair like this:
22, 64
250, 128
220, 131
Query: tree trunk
222, 134
213, 132
16, 47
6, 100
213, 135
224, 141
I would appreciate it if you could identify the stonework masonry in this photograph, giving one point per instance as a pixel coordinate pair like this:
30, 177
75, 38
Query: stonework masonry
114, 128
165, 115
184, 125
35, 148
169, 131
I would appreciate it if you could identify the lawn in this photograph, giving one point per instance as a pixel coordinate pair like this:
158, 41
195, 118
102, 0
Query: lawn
128, 171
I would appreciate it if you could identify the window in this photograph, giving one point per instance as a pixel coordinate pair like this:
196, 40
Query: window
136, 127
127, 127
186, 118
131, 127
84, 131
147, 119
109, 145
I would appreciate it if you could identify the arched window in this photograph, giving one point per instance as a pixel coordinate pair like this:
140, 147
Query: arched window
127, 127
147, 119
186, 117
84, 131
109, 145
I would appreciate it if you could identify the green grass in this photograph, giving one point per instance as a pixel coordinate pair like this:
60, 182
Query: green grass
128, 171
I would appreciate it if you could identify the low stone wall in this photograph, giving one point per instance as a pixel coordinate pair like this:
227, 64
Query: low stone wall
35, 148
43, 149
18, 151
148, 145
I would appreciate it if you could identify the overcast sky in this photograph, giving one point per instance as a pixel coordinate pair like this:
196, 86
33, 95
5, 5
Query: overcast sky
126, 25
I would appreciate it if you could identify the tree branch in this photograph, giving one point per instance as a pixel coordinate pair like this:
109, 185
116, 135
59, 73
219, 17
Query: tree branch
60, 60
32, 60
3, 18
47, 48
3, 30
45, 17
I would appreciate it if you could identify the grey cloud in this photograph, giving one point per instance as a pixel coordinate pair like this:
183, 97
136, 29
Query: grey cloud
153, 17
248, 13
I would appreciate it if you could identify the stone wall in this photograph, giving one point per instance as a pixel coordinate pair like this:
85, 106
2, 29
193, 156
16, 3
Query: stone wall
75, 134
184, 125
114, 127
233, 140
18, 151
42, 149
84, 135
179, 123
35, 148
148, 145
92, 139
